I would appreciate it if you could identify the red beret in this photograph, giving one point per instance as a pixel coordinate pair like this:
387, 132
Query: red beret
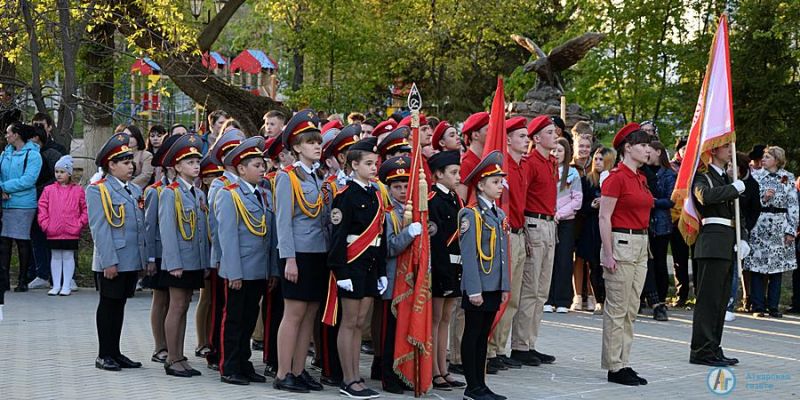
515, 123
474, 123
335, 124
624, 132
407, 121
539, 123
438, 133
385, 127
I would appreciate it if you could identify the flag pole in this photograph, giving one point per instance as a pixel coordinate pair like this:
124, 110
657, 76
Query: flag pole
737, 210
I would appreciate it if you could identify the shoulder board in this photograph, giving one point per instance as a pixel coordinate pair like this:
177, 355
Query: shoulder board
343, 189
221, 178
331, 178
431, 195
289, 168
271, 175
173, 185
156, 185
99, 182
232, 186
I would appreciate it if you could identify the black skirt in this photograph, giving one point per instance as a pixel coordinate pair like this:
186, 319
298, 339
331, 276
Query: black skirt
312, 278
121, 287
157, 281
491, 302
446, 280
188, 280
62, 244
365, 281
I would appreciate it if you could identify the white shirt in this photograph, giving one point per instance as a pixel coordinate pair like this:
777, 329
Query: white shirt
443, 188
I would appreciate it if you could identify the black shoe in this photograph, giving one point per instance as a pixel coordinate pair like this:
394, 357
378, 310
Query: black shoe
642, 381
270, 371
106, 363
159, 359
660, 313
793, 310
330, 381
258, 345
456, 384
526, 358
348, 391
290, 383
255, 377
393, 388
544, 358
310, 382
183, 373
730, 361
497, 364
375, 371
709, 361
316, 364
455, 369
367, 348
213, 366
23, 287
623, 377
477, 394
775, 314
443, 385
492, 394
125, 362
235, 379
202, 351
510, 362
491, 369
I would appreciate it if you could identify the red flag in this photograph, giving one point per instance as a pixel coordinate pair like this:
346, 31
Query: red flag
411, 300
497, 139
712, 126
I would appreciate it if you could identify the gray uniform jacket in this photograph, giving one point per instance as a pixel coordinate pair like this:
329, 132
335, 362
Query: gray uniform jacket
244, 255
179, 253
152, 239
396, 242
215, 186
123, 246
298, 232
475, 279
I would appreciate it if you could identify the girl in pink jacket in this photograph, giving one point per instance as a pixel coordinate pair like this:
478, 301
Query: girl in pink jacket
62, 216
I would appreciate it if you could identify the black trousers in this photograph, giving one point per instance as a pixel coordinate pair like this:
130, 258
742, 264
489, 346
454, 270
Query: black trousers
477, 325
680, 258
795, 290
218, 305
656, 282
713, 291
239, 319
41, 253
110, 314
388, 334
272, 316
329, 347
561, 283
25, 257
598, 283
765, 301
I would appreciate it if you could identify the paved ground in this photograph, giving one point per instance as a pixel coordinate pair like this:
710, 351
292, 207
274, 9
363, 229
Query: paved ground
48, 346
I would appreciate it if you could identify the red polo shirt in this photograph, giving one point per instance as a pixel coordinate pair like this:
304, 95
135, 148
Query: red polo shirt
542, 182
517, 187
469, 161
634, 200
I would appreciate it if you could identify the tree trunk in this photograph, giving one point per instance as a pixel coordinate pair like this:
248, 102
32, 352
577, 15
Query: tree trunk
36, 65
70, 42
98, 105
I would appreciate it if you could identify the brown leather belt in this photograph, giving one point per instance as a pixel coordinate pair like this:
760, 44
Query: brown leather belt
630, 231
539, 216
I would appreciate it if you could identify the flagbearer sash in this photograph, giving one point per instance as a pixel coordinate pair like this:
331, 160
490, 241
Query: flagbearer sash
330, 314
370, 237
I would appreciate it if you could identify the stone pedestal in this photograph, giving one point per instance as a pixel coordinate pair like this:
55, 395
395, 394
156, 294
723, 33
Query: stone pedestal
547, 100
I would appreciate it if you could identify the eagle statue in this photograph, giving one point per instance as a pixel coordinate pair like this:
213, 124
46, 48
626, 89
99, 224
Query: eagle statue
549, 66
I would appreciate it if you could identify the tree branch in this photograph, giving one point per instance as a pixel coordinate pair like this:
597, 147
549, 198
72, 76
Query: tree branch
36, 64
216, 25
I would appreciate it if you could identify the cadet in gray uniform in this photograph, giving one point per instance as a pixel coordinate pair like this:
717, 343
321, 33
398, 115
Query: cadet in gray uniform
303, 239
182, 213
483, 239
247, 235
224, 144
152, 242
116, 220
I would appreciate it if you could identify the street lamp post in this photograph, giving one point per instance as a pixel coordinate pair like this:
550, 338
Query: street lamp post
197, 8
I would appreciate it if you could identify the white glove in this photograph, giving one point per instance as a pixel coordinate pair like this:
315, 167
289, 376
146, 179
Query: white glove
1, 312
739, 185
743, 249
345, 284
383, 284
415, 229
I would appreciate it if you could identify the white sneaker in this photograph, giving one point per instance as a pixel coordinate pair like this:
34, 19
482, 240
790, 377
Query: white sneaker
729, 316
591, 303
54, 291
38, 283
73, 286
548, 308
598, 309
562, 310
65, 292
576, 303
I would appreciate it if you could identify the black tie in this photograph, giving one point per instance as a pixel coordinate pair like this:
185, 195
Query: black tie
258, 196
191, 190
725, 178
127, 189
494, 210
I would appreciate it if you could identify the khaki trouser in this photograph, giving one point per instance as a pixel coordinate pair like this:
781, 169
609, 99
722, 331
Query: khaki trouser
499, 339
623, 288
541, 239
258, 332
456, 332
